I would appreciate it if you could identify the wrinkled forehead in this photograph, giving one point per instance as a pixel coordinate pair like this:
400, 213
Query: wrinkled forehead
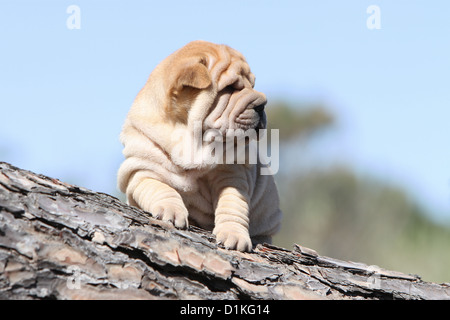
226, 65
231, 69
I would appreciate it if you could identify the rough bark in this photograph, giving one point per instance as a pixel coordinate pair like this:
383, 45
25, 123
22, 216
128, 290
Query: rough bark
60, 241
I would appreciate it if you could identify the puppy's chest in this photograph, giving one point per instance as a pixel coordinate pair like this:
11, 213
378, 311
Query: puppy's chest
200, 197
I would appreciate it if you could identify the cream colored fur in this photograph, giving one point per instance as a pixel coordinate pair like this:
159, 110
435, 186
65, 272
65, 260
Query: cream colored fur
211, 84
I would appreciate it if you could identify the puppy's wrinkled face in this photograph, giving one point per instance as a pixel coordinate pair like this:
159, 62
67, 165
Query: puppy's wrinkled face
237, 107
213, 84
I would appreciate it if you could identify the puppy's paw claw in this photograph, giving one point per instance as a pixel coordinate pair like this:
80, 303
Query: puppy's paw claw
234, 240
176, 215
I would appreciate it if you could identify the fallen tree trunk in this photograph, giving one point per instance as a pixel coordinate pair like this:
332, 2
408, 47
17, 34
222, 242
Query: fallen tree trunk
59, 241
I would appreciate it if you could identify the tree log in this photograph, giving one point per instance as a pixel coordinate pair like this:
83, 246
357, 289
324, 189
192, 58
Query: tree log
60, 241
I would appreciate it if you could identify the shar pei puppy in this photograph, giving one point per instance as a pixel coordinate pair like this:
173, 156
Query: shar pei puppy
202, 89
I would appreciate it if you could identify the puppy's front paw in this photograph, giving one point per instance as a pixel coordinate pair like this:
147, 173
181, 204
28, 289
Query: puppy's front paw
234, 239
166, 211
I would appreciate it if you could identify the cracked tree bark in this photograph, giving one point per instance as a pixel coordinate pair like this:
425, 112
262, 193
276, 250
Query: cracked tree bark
59, 241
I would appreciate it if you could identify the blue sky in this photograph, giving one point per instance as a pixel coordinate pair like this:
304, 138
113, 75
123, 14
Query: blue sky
65, 93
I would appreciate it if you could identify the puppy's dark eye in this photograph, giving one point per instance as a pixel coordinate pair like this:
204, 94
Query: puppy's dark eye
229, 88
235, 86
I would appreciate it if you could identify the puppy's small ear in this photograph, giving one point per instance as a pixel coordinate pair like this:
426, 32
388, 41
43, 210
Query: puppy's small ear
192, 74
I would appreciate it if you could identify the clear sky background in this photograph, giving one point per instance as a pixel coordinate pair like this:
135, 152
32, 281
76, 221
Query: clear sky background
65, 93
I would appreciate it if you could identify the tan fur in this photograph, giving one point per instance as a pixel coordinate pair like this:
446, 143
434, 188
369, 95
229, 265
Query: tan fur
213, 84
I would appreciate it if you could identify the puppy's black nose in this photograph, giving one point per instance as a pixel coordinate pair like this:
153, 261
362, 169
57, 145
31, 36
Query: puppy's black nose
259, 108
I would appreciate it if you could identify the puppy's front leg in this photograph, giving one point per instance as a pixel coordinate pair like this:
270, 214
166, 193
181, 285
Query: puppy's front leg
232, 214
161, 200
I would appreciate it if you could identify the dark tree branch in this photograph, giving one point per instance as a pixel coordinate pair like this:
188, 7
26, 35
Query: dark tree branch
65, 242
